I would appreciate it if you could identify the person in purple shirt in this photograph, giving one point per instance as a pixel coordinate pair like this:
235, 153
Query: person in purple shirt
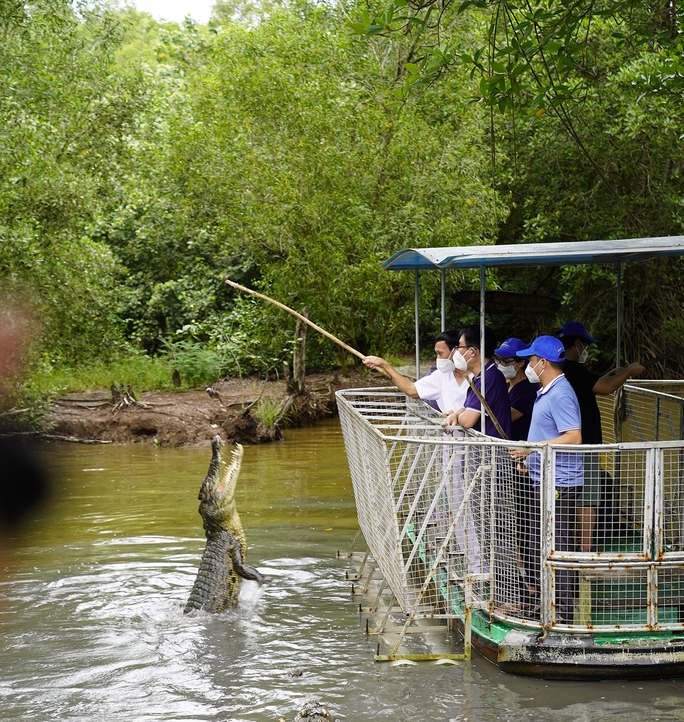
495, 387
522, 395
521, 392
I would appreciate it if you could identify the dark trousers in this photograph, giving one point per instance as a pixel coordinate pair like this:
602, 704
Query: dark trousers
566, 579
524, 501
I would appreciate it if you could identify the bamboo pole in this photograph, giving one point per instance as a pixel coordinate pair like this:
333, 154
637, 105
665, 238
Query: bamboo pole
298, 315
353, 350
490, 413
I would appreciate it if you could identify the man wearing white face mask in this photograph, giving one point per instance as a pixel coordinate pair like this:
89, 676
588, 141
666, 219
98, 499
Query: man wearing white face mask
555, 419
587, 385
576, 341
496, 391
521, 392
522, 395
447, 386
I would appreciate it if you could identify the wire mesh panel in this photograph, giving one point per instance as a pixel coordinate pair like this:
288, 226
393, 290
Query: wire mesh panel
613, 509
671, 502
643, 411
615, 596
373, 484
666, 386
669, 585
574, 537
644, 414
606, 406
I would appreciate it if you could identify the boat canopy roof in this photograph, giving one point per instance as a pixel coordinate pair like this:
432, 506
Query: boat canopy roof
536, 254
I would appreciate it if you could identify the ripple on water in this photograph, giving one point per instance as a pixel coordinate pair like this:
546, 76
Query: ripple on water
93, 628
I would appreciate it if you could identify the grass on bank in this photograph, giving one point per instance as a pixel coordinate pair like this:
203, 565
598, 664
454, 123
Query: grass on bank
143, 373
197, 365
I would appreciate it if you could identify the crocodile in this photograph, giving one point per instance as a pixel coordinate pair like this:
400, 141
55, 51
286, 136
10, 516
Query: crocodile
218, 578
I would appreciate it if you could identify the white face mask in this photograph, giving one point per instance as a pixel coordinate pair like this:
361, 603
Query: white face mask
445, 365
531, 374
583, 356
509, 372
459, 361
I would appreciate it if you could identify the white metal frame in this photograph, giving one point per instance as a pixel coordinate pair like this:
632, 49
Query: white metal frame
374, 435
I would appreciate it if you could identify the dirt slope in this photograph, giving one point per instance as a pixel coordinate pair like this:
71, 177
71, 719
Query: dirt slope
192, 418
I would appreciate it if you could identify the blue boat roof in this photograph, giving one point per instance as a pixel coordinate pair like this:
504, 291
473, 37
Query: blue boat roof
536, 254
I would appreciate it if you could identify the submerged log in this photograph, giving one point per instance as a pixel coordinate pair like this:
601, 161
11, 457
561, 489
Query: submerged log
313, 711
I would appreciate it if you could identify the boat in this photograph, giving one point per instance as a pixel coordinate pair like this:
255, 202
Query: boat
441, 519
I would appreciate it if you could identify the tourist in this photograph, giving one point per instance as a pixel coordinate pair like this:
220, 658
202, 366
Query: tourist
495, 389
469, 417
555, 420
448, 388
518, 493
587, 385
521, 392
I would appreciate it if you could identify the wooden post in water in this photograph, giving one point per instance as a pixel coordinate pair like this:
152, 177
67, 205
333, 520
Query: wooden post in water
298, 382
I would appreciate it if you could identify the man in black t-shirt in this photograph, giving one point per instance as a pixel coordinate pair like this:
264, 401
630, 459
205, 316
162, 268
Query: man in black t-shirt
586, 385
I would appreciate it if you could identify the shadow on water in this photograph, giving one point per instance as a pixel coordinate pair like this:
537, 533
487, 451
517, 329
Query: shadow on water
91, 613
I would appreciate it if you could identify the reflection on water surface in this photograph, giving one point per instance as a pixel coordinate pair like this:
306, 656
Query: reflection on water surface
91, 614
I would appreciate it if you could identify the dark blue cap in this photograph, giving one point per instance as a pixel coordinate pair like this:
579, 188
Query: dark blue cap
575, 328
546, 347
510, 347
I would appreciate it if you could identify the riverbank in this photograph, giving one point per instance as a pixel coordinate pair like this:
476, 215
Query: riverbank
248, 411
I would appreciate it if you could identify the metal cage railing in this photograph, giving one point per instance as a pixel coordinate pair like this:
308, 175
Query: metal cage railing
454, 524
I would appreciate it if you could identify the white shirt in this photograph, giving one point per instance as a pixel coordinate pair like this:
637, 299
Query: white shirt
444, 389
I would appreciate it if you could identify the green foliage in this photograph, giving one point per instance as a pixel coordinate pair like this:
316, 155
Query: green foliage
142, 372
64, 119
547, 53
292, 150
282, 166
583, 100
197, 364
268, 411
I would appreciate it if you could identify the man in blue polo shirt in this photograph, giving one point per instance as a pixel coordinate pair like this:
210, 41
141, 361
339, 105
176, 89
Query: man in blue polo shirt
555, 419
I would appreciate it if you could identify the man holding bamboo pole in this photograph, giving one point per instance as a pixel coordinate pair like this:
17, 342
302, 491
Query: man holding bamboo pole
448, 388
498, 419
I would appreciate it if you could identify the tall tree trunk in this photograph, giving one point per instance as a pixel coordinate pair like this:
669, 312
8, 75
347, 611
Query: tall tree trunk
298, 383
343, 361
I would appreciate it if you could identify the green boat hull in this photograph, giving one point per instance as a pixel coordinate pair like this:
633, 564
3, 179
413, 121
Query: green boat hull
559, 655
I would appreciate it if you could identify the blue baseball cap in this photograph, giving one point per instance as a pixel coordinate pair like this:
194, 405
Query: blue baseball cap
575, 328
510, 347
546, 347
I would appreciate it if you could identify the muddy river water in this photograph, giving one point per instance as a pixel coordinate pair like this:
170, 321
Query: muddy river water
91, 599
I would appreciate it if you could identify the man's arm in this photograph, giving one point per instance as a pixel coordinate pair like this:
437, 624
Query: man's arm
610, 383
574, 436
515, 414
467, 418
404, 385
